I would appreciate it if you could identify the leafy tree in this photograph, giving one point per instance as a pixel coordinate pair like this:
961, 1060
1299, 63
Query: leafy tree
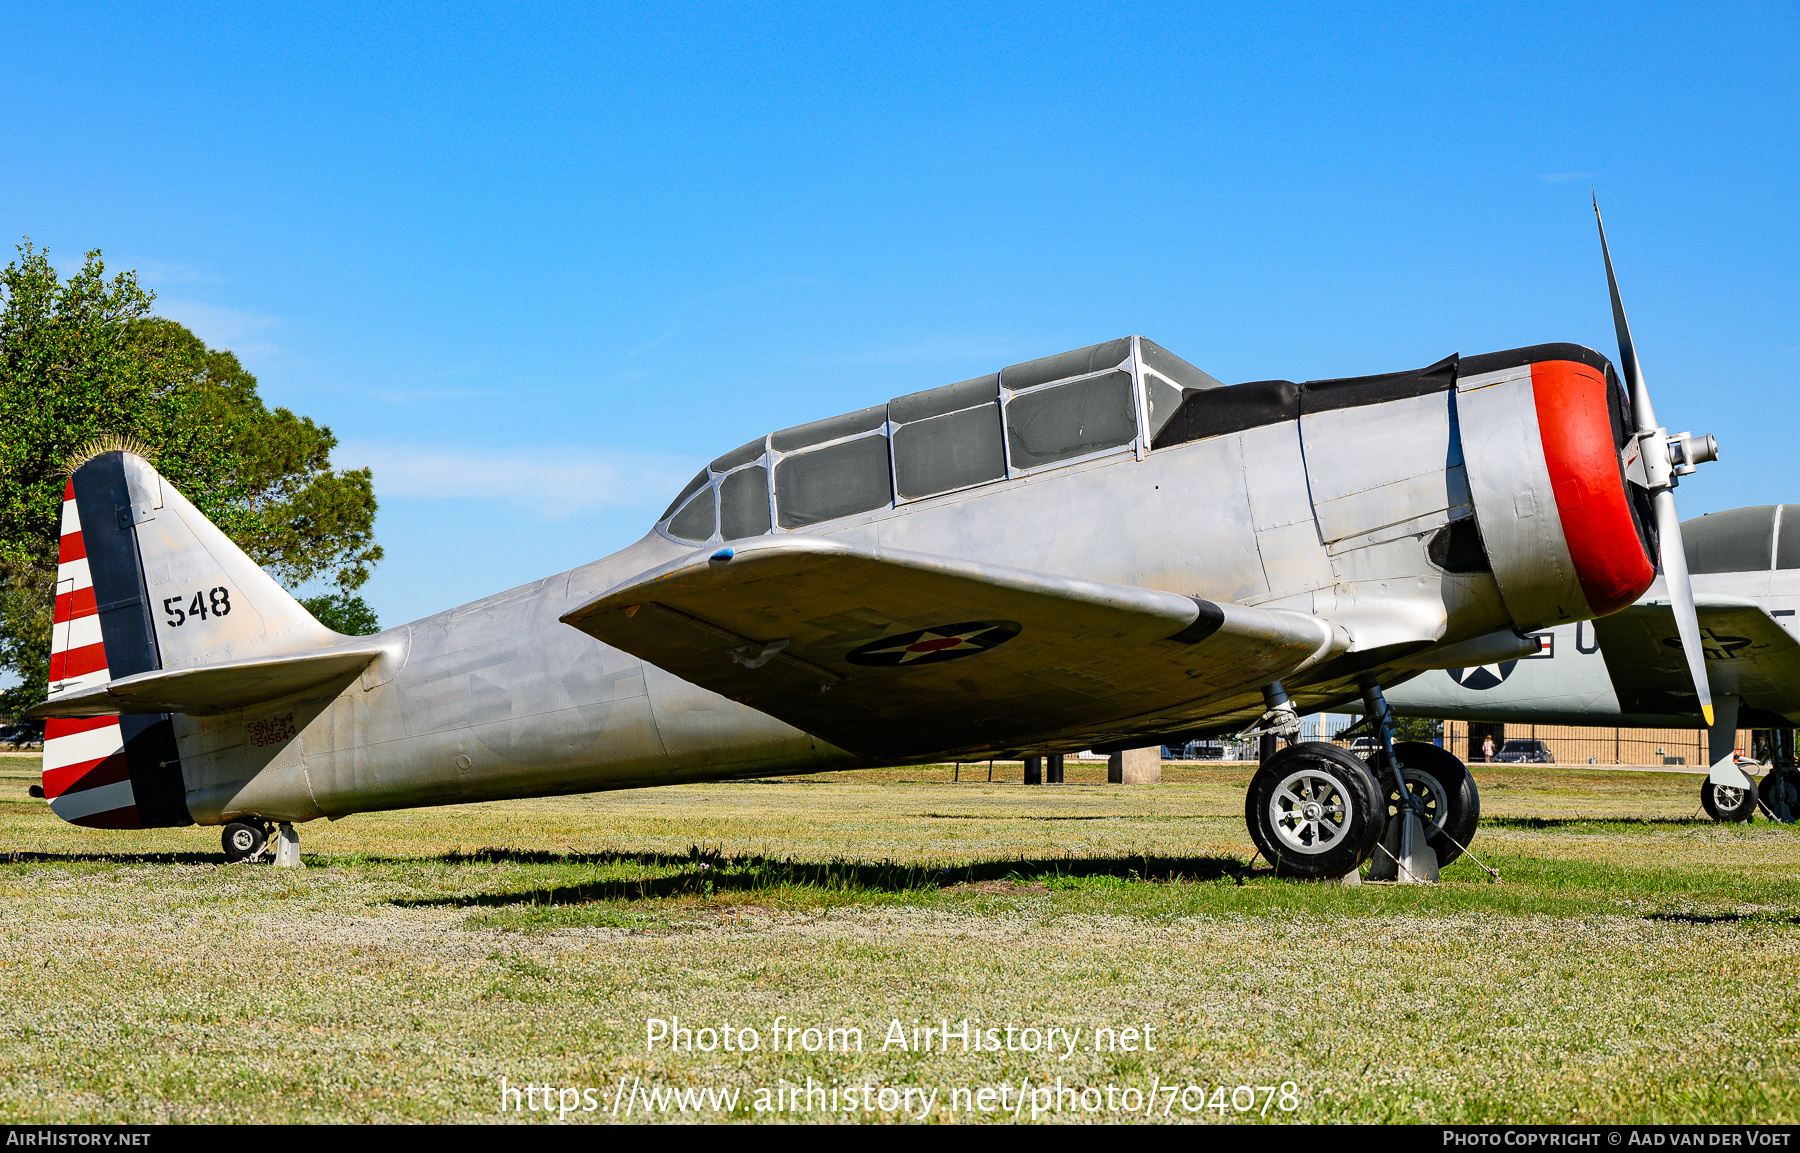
84, 359
286, 507
1406, 729
343, 612
1417, 729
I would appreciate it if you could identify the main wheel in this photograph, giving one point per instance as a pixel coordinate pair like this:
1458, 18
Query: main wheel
1446, 792
1314, 810
1728, 802
1779, 795
244, 841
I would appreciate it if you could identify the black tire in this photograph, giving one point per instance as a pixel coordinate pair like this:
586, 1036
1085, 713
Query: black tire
1778, 795
1453, 807
1321, 780
1727, 803
244, 841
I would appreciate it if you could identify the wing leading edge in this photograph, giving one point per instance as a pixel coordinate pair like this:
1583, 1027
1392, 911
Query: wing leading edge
898, 655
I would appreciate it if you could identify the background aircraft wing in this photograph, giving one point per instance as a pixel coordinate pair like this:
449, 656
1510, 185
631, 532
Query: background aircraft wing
893, 654
1747, 652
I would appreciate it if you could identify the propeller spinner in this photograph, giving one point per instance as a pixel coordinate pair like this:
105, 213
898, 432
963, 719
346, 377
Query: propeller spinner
1663, 460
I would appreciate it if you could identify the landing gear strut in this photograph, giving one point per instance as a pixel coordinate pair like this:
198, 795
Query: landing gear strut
249, 840
1445, 793
1778, 793
1316, 810
1405, 853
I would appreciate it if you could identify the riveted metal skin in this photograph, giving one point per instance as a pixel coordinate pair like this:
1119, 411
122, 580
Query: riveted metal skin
1150, 587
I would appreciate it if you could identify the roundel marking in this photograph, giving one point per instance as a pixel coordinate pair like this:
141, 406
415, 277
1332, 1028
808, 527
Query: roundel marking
939, 643
1482, 676
1716, 646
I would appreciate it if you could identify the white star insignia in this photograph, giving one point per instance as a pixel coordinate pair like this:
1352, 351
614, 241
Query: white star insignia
934, 641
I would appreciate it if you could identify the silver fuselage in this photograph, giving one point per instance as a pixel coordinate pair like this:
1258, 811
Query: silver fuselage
500, 699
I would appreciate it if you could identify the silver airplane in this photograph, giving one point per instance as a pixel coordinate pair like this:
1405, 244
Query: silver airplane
1628, 669
1105, 549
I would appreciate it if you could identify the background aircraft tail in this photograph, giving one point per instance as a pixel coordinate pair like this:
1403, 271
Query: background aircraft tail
144, 582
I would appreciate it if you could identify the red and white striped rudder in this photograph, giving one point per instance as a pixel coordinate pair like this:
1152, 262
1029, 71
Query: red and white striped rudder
86, 776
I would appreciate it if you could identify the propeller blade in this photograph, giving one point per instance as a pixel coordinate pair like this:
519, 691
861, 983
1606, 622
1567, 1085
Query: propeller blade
1628, 361
1681, 597
1661, 470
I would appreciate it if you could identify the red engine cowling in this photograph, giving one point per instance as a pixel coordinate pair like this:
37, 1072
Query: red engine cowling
1546, 439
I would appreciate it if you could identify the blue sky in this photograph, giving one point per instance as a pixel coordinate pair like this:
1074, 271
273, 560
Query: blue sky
534, 264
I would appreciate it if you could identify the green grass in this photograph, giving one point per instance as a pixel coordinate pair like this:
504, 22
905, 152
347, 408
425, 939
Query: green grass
1632, 965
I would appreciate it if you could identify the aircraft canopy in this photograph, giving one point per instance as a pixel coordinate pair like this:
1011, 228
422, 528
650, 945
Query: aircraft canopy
1743, 539
1046, 413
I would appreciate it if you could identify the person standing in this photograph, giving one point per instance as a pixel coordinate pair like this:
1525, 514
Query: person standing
1487, 748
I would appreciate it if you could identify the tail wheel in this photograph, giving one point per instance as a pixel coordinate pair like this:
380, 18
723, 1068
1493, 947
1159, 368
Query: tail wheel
1728, 803
1445, 790
244, 841
1314, 810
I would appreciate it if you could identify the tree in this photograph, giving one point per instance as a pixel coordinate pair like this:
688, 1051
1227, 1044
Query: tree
343, 612
1417, 729
84, 360
286, 508
1405, 729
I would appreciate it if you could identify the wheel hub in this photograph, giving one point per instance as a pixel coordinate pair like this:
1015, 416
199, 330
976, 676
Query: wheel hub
1310, 811
1429, 793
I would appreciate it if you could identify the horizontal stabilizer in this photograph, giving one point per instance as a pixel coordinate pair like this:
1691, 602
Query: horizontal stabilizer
209, 689
895, 655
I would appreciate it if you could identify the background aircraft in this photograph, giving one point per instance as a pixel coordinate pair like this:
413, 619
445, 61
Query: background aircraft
1628, 669
1101, 549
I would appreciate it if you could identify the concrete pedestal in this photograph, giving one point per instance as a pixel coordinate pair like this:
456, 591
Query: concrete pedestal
1135, 766
1404, 855
1034, 770
1053, 769
287, 848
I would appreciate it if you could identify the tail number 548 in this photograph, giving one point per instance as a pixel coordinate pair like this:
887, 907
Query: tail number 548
212, 603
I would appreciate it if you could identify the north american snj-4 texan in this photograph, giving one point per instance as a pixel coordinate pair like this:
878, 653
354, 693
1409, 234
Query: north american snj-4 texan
1101, 549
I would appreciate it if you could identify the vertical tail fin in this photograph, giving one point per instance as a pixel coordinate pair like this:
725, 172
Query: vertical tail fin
145, 582
103, 772
207, 600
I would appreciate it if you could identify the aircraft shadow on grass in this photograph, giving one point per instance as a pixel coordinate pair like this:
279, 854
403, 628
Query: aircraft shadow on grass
105, 858
1572, 822
710, 873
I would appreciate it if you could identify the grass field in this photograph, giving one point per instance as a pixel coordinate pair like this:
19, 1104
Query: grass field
1634, 964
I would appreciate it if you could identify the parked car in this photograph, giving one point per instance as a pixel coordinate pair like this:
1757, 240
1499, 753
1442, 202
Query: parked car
1523, 751
20, 737
1364, 747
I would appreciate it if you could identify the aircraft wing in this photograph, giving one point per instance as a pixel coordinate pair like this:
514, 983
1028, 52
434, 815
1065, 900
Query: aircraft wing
1747, 653
893, 654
